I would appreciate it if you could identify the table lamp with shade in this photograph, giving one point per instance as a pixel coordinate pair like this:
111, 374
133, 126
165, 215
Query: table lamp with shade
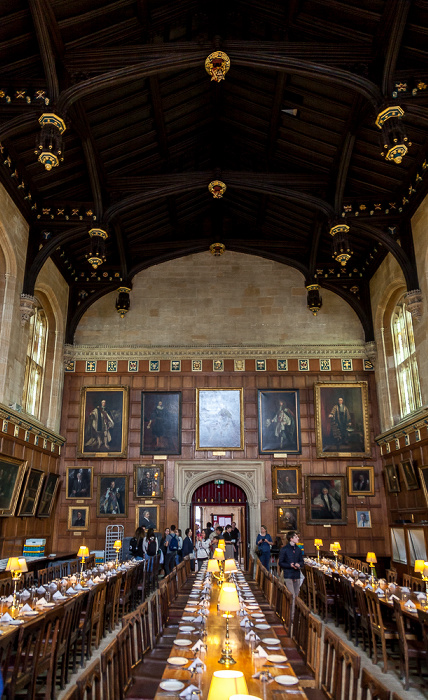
371, 560
421, 567
230, 566
219, 556
227, 683
222, 544
17, 566
335, 548
318, 544
228, 603
83, 552
117, 547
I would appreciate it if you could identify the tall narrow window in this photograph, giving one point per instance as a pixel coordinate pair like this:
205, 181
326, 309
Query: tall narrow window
405, 360
35, 363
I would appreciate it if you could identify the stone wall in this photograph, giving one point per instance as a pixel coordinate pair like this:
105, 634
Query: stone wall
420, 241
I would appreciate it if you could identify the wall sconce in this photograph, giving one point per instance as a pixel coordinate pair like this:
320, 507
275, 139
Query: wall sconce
96, 255
393, 136
341, 249
228, 602
17, 566
217, 64
83, 552
314, 299
318, 544
371, 560
117, 547
49, 146
123, 302
217, 188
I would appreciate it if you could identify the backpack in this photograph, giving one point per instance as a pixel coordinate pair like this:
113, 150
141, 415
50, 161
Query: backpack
151, 547
173, 543
133, 549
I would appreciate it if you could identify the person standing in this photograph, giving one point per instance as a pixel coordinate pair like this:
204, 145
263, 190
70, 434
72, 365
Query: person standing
136, 544
171, 549
264, 543
236, 535
202, 549
188, 548
292, 564
163, 545
150, 548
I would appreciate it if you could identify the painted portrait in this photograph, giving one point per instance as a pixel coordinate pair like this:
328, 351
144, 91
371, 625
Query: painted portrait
47, 498
31, 492
103, 422
148, 480
78, 482
408, 473
391, 478
361, 481
161, 422
112, 495
287, 518
147, 516
78, 518
341, 419
325, 499
286, 481
423, 475
363, 519
219, 419
279, 421
11, 476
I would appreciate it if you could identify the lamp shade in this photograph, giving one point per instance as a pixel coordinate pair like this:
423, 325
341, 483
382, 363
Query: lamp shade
229, 566
227, 683
218, 554
213, 565
16, 564
425, 571
371, 558
420, 565
337, 546
318, 543
244, 697
228, 600
222, 544
83, 551
117, 544
23, 565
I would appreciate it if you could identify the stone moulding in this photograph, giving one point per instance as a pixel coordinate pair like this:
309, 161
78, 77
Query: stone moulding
416, 421
27, 423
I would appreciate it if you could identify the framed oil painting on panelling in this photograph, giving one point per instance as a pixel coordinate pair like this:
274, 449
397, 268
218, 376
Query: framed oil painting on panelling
325, 499
112, 495
160, 422
423, 475
408, 473
148, 480
31, 492
47, 498
11, 476
219, 419
78, 518
279, 421
79, 482
341, 420
147, 516
361, 481
363, 519
286, 481
103, 422
287, 518
391, 478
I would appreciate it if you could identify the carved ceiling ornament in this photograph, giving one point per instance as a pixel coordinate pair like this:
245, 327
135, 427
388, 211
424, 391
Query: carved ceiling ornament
413, 300
27, 307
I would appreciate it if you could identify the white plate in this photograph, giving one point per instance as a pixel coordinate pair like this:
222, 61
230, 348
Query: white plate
190, 609
171, 684
187, 628
31, 613
271, 640
187, 618
252, 607
16, 622
48, 605
257, 615
276, 658
182, 642
262, 626
286, 680
178, 661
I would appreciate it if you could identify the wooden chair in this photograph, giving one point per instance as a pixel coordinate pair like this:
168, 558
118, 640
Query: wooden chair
75, 638
310, 584
125, 598
60, 657
348, 671
351, 612
56, 570
42, 577
90, 624
111, 607
300, 627
329, 664
28, 579
364, 619
44, 666
73, 566
410, 648
371, 688
7, 647
89, 683
250, 569
308, 670
381, 630
391, 575
110, 672
423, 619
6, 586
325, 597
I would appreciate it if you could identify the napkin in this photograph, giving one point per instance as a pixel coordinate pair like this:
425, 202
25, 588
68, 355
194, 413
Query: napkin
58, 596
9, 599
369, 588
25, 594
70, 590
199, 618
359, 583
90, 583
201, 667
245, 622
262, 652
41, 602
394, 597
41, 590
26, 608
197, 646
404, 589
409, 604
6, 618
53, 587
380, 592
420, 595
187, 692
78, 587
97, 579
252, 635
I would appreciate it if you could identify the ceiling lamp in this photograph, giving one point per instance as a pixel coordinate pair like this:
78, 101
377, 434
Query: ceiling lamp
96, 255
342, 250
217, 189
314, 299
123, 301
393, 137
217, 249
217, 64
49, 147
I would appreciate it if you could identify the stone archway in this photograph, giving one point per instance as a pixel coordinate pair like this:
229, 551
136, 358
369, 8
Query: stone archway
249, 475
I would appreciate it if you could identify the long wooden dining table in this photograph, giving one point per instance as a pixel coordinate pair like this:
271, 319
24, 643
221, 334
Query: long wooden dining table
242, 650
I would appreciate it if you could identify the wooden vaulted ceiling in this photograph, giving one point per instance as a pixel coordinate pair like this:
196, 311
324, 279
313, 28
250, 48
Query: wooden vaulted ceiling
291, 131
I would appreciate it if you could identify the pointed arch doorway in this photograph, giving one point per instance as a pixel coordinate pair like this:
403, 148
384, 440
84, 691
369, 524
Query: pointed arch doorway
249, 475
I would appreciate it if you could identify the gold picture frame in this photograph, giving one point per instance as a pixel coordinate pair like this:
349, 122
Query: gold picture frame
103, 428
79, 483
325, 496
341, 420
78, 518
11, 477
361, 481
287, 518
423, 476
286, 481
112, 495
30, 493
147, 516
148, 480
408, 473
220, 419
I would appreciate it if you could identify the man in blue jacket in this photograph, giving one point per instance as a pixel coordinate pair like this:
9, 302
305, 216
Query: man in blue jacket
292, 564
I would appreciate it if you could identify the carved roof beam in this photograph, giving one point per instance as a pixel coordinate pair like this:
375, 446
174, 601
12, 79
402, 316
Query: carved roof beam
281, 81
158, 116
35, 262
44, 24
316, 238
387, 43
361, 306
122, 248
345, 151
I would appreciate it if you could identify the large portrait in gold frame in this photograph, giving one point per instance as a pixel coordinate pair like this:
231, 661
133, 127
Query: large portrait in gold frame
341, 420
147, 516
219, 419
11, 476
103, 422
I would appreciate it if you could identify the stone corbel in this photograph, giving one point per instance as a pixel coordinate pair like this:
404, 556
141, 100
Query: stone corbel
413, 300
27, 307
371, 351
68, 355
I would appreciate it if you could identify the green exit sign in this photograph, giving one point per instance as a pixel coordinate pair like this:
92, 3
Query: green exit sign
219, 482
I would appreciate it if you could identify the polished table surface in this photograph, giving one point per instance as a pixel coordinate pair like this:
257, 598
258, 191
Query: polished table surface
241, 651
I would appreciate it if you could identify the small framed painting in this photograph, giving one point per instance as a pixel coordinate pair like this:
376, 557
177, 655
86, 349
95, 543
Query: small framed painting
391, 478
361, 481
326, 499
11, 477
408, 473
47, 498
78, 518
112, 495
287, 518
147, 516
363, 518
78, 482
286, 481
148, 480
32, 488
